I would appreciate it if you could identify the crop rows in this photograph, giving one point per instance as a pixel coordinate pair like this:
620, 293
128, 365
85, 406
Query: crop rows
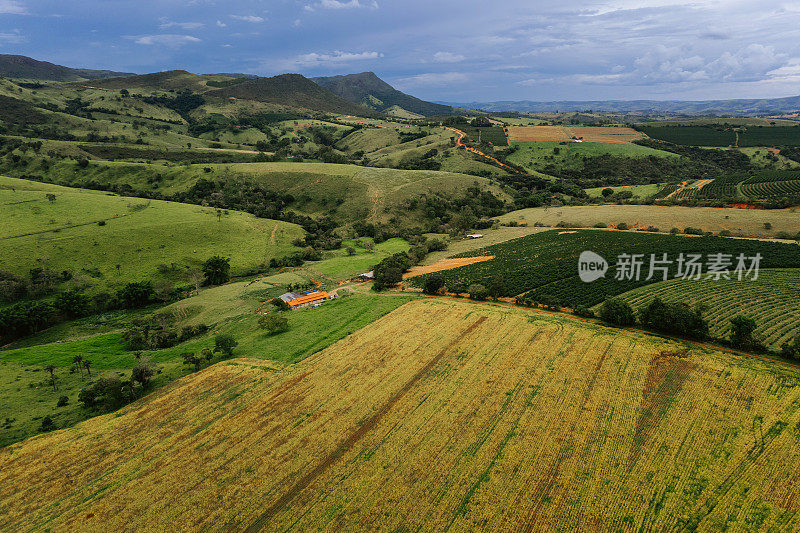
545, 265
719, 137
773, 301
439, 416
772, 189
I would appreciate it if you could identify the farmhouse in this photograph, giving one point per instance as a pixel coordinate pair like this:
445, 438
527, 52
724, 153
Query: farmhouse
297, 300
475, 236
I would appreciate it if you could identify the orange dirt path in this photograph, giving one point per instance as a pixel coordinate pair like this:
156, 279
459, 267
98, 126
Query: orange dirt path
445, 264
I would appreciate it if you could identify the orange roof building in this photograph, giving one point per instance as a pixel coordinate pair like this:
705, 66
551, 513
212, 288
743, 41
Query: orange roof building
308, 299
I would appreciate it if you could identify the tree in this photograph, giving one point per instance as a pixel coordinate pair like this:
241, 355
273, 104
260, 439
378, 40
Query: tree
87, 365
742, 329
225, 344
62, 401
617, 312
477, 291
77, 360
216, 270
73, 304
273, 323
496, 286
135, 295
143, 371
50, 197
207, 354
677, 318
350, 250
608, 191
52, 370
433, 284
189, 358
47, 424
279, 304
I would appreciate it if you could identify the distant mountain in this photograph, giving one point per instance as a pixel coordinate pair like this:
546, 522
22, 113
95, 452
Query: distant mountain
292, 90
234, 75
15, 66
369, 90
677, 107
167, 80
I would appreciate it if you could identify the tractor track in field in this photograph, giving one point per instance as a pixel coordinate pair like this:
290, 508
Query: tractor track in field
347, 444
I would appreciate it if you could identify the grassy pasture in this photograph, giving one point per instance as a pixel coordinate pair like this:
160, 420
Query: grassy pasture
470, 416
534, 155
638, 191
741, 222
136, 235
773, 300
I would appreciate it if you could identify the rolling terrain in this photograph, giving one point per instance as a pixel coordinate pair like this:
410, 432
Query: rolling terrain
369, 90
534, 421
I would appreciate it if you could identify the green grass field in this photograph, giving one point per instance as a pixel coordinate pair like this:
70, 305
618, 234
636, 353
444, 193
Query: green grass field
138, 239
26, 395
535, 155
638, 191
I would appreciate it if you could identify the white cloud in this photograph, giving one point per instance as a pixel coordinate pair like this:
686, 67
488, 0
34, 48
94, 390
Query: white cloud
314, 59
221, 24
12, 7
248, 18
432, 79
337, 4
167, 39
447, 57
13, 37
181, 25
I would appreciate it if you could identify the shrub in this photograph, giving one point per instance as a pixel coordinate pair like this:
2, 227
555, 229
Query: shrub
477, 292
216, 270
225, 345
583, 311
47, 424
273, 323
135, 295
433, 284
617, 312
622, 226
677, 318
742, 330
62, 401
279, 304
143, 371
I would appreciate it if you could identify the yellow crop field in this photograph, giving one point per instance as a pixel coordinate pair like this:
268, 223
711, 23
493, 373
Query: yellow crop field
441, 415
565, 133
740, 222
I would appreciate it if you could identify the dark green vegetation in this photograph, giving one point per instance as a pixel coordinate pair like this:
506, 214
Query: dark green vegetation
725, 135
370, 91
543, 267
293, 90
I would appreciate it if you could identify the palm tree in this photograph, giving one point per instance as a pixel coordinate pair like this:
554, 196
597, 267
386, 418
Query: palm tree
52, 370
77, 360
86, 365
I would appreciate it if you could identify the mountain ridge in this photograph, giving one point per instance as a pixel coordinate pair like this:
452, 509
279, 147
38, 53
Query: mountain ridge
19, 66
690, 107
367, 89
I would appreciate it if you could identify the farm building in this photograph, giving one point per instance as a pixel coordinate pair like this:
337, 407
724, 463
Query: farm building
297, 300
475, 236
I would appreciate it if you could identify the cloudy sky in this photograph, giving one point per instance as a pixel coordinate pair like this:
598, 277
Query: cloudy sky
444, 50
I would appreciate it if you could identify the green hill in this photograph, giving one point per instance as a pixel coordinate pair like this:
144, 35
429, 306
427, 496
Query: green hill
167, 80
106, 240
369, 90
16, 66
292, 90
